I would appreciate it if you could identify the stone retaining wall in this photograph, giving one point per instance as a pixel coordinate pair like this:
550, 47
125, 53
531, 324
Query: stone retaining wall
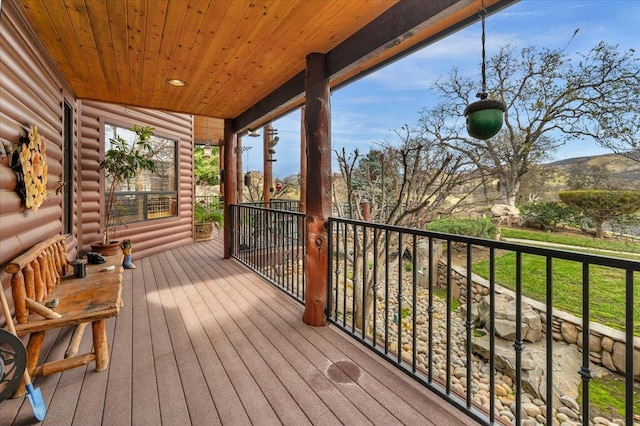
606, 345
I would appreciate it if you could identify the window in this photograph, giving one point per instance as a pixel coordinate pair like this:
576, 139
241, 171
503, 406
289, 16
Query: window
67, 178
149, 195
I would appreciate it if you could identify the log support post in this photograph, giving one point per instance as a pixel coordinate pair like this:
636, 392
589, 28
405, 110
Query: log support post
303, 162
230, 183
239, 177
318, 196
267, 165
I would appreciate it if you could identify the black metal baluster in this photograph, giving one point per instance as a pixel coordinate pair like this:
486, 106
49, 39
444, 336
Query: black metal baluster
376, 236
386, 292
448, 313
354, 273
302, 259
629, 349
365, 255
262, 240
255, 241
274, 246
549, 316
336, 308
266, 260
287, 249
399, 312
469, 324
518, 344
492, 334
414, 268
344, 282
430, 311
585, 371
332, 265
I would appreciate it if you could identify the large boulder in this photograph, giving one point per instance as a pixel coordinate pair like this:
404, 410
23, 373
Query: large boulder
505, 318
422, 262
505, 213
619, 357
532, 373
498, 210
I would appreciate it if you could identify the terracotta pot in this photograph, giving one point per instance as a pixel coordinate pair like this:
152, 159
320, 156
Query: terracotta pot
108, 249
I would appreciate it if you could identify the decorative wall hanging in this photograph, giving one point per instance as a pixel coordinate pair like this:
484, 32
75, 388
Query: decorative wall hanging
29, 162
484, 117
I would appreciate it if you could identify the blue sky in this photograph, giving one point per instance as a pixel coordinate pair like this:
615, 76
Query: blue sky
368, 110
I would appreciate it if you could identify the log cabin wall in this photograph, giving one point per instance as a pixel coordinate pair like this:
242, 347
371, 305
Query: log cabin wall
150, 236
31, 92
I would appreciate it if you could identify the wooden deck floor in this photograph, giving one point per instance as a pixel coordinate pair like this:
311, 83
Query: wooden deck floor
205, 341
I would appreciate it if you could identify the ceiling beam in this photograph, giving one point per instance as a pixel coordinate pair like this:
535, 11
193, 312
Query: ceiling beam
397, 24
283, 99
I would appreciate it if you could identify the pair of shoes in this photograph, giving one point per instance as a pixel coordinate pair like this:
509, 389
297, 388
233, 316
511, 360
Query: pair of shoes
95, 258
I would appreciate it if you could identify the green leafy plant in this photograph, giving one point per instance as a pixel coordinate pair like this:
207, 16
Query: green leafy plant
206, 170
208, 213
549, 214
125, 161
601, 205
462, 226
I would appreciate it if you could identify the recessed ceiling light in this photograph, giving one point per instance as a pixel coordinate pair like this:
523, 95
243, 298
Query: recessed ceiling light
176, 82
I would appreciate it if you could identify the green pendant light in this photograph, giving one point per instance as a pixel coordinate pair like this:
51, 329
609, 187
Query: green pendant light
484, 117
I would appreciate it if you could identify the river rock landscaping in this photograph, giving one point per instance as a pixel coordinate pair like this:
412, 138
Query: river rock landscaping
566, 409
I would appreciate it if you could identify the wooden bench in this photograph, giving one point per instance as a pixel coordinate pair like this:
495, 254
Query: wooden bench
43, 274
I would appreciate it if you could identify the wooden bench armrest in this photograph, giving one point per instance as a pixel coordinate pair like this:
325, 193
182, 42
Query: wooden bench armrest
41, 310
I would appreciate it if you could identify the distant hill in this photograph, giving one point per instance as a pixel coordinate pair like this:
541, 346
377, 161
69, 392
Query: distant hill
620, 167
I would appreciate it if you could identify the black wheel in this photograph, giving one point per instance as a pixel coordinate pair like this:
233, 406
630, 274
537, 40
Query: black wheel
13, 360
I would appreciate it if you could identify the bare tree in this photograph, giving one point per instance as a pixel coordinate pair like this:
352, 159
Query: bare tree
285, 188
620, 134
252, 190
405, 185
616, 126
547, 94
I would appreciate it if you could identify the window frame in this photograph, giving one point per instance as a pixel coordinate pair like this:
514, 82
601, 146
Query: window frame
142, 198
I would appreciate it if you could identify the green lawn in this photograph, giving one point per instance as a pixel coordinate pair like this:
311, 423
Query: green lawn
606, 395
607, 287
607, 296
623, 245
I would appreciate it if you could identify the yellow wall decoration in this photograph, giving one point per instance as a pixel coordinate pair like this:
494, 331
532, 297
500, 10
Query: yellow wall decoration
30, 164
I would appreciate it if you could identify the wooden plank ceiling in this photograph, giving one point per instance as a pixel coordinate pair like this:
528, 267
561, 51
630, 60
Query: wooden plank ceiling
241, 59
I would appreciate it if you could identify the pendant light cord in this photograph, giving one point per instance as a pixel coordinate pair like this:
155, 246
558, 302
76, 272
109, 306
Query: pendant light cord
483, 94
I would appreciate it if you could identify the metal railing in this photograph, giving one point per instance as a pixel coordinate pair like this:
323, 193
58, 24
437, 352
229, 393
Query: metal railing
209, 200
276, 204
396, 290
271, 242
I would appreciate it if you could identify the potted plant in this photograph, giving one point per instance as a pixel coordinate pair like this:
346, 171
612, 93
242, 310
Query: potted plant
207, 216
123, 161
